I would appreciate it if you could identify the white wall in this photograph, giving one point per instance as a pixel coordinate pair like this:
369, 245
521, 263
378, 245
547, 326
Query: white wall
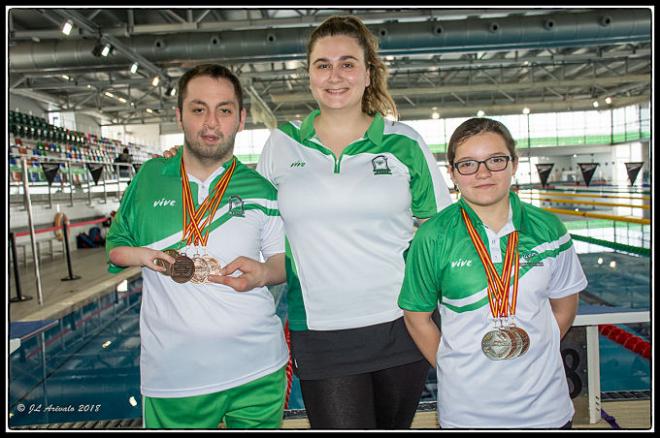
87, 124
27, 106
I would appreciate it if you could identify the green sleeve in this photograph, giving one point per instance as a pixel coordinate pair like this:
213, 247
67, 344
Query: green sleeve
424, 203
420, 291
121, 231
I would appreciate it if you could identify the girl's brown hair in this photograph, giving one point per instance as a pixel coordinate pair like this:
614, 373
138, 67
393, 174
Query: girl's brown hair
376, 98
476, 126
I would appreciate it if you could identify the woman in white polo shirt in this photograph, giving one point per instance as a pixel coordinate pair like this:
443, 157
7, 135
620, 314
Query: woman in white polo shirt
350, 183
506, 281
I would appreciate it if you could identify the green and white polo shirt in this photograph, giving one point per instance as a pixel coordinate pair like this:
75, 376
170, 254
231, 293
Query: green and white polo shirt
202, 338
444, 270
349, 219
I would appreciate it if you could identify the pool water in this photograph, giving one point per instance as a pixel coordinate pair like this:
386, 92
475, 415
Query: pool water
86, 367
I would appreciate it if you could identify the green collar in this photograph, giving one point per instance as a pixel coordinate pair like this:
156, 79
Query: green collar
374, 132
518, 213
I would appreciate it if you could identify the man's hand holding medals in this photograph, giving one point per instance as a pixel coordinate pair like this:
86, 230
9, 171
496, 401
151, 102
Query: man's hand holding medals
201, 268
506, 340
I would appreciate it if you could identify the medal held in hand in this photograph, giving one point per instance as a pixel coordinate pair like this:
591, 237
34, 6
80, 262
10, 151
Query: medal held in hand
214, 265
197, 226
504, 341
165, 264
183, 269
201, 270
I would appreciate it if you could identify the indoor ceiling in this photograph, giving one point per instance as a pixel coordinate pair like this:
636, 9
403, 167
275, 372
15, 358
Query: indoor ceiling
452, 62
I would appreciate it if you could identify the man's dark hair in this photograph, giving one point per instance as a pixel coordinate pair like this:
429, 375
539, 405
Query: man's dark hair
215, 71
125, 150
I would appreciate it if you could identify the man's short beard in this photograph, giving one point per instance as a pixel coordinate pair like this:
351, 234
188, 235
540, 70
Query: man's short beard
222, 152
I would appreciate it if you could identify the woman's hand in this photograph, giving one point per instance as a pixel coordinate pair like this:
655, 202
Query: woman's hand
171, 151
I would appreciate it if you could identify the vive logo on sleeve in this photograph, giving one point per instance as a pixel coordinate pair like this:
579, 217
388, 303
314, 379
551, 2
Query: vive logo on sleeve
299, 163
380, 166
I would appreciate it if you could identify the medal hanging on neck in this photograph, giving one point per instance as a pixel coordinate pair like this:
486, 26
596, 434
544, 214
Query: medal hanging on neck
199, 267
506, 341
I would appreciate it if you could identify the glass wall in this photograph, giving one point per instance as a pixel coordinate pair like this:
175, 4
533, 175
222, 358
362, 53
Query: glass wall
596, 127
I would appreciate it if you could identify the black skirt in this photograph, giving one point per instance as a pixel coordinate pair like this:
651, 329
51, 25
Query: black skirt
335, 353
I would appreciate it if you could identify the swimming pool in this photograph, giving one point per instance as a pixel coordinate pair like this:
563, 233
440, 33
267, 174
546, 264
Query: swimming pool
85, 367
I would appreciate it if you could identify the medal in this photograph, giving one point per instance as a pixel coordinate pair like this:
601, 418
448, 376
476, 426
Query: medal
497, 344
524, 339
201, 270
183, 269
511, 341
214, 265
196, 231
165, 264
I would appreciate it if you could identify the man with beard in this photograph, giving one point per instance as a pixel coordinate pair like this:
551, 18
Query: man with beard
212, 348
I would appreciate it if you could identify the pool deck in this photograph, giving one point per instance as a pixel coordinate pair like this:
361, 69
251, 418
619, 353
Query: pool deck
62, 297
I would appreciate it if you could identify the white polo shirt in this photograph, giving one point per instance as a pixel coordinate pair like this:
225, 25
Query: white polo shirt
444, 271
202, 338
349, 219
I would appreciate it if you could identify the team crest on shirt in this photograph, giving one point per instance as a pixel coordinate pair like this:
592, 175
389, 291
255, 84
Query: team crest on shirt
236, 206
525, 258
380, 166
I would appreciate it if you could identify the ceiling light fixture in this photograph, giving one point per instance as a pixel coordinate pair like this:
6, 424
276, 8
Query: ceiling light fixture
134, 67
595, 104
101, 49
608, 100
480, 113
155, 81
526, 110
171, 91
107, 49
66, 28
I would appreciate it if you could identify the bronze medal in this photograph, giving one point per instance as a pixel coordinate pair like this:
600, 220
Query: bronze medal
524, 338
183, 269
201, 270
516, 343
165, 264
214, 265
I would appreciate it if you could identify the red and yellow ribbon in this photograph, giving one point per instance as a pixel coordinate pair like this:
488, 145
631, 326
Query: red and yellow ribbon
192, 229
498, 286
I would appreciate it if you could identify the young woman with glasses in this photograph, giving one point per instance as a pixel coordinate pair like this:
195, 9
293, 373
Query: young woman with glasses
506, 281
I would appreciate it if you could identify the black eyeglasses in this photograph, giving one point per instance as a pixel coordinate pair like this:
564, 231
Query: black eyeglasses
494, 164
